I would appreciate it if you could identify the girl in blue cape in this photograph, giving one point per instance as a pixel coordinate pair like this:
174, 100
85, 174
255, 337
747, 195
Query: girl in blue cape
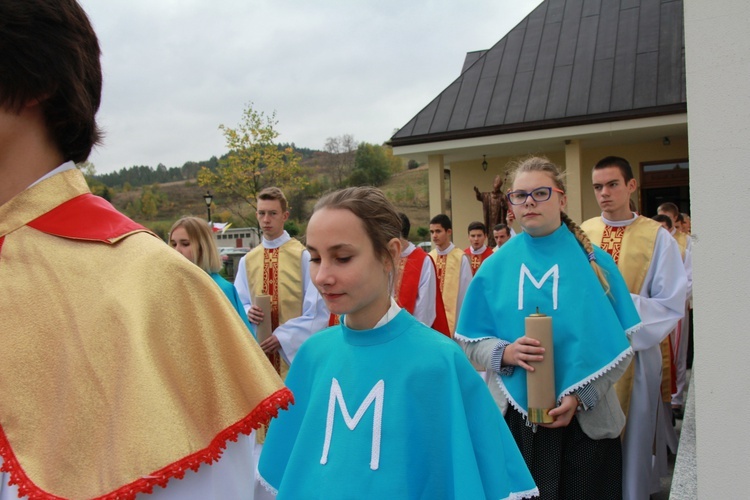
385, 407
192, 237
553, 267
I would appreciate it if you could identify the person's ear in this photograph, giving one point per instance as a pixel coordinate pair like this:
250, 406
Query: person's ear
394, 250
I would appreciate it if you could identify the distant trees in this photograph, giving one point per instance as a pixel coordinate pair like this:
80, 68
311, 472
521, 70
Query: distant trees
340, 159
254, 161
95, 185
373, 165
142, 175
148, 205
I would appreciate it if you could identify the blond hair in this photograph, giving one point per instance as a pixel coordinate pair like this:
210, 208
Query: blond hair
541, 164
201, 239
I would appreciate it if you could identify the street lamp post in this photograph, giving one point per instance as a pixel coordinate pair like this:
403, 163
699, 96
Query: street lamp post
208, 197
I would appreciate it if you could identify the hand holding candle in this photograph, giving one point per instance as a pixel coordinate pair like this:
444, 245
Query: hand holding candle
264, 329
541, 381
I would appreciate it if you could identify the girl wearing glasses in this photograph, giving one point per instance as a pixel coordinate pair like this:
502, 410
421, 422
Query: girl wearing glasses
553, 267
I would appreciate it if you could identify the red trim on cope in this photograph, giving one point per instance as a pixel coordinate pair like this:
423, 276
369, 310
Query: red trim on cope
261, 415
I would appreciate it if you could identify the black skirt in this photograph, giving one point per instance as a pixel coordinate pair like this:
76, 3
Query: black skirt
567, 464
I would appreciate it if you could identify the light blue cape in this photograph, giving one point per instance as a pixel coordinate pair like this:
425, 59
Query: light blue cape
590, 327
441, 434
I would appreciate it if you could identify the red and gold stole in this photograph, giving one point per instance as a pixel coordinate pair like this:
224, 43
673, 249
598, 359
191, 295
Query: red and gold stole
441, 262
476, 260
612, 241
270, 279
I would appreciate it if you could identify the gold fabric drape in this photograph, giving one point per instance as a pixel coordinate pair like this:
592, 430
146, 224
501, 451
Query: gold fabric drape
120, 360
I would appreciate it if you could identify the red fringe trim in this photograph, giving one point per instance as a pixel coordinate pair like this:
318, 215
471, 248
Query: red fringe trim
261, 415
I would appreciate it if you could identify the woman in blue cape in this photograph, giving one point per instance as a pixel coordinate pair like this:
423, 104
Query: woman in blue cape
385, 407
192, 237
552, 267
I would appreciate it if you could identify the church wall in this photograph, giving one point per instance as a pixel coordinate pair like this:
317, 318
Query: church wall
717, 69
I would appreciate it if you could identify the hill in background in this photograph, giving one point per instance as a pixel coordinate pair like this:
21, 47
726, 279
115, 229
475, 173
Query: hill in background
167, 202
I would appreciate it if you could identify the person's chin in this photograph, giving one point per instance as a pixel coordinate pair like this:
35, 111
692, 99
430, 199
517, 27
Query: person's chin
335, 302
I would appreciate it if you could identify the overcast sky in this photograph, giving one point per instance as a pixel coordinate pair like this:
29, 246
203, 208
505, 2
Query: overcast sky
174, 70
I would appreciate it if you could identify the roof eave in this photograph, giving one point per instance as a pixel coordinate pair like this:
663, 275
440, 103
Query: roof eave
541, 125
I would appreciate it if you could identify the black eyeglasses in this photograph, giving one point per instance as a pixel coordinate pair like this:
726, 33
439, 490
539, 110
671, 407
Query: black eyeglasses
539, 194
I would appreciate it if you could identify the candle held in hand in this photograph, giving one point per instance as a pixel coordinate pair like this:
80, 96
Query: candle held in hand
541, 382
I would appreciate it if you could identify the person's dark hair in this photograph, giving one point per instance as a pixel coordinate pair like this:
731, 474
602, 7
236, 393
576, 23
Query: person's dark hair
663, 219
49, 53
378, 215
405, 225
477, 225
502, 227
616, 161
274, 193
443, 220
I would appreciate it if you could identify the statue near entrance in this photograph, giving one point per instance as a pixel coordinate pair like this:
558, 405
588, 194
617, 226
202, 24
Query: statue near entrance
494, 205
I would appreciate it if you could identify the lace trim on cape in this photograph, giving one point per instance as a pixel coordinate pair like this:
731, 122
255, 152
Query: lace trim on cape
630, 331
261, 415
468, 340
524, 412
521, 495
265, 483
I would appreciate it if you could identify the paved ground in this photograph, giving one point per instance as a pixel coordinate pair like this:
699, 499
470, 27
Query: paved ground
666, 482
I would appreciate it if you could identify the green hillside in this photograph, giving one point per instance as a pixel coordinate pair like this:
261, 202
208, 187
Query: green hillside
170, 201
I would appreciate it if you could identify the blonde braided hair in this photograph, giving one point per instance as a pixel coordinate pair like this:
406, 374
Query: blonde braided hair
588, 247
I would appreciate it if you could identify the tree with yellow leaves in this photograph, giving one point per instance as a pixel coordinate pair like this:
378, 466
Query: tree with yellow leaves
254, 162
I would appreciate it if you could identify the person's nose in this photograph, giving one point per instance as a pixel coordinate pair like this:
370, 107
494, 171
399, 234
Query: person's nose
322, 276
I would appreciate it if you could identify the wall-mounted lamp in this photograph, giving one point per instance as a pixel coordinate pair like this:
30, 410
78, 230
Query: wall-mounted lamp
484, 162
666, 141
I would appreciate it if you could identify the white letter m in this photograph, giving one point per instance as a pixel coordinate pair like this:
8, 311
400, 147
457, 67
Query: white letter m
376, 394
554, 272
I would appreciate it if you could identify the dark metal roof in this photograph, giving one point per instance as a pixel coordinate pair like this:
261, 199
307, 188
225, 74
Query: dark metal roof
569, 62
